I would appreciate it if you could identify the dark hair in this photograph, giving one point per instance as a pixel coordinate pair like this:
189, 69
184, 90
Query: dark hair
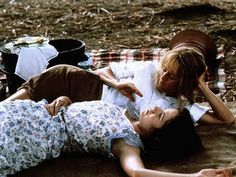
174, 141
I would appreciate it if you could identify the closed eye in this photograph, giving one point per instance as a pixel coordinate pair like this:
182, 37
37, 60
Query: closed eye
161, 115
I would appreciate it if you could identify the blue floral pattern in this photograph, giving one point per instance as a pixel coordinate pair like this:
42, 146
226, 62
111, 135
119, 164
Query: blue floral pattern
29, 135
93, 127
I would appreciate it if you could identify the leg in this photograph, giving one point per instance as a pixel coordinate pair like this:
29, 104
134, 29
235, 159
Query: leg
61, 80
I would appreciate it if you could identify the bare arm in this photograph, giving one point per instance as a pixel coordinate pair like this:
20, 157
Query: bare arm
220, 114
132, 164
107, 76
21, 94
125, 88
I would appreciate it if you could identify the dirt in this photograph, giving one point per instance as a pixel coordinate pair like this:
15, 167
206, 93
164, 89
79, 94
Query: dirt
113, 24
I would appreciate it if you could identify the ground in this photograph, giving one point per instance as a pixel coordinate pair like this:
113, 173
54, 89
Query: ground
117, 24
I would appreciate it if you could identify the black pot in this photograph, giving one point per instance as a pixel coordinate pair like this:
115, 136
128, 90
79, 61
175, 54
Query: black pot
70, 51
8, 66
13, 81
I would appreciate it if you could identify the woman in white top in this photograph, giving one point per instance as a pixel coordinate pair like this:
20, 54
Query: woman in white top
168, 84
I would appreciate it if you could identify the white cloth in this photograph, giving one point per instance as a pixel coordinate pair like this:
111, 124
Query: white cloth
33, 60
142, 75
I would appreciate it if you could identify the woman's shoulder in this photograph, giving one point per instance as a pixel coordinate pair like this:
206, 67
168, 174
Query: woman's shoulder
148, 66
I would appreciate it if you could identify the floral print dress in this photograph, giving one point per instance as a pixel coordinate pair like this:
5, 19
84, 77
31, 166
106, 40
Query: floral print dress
29, 135
93, 127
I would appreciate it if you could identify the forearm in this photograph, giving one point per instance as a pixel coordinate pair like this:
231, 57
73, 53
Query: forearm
220, 110
126, 88
21, 94
132, 163
153, 173
107, 76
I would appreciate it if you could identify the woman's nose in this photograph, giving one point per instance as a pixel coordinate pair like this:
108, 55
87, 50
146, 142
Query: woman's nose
157, 109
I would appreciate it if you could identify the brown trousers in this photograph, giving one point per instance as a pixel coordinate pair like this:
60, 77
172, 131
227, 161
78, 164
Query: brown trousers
64, 80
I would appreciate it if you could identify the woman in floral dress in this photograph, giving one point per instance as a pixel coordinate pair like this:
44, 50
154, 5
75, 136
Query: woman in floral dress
32, 132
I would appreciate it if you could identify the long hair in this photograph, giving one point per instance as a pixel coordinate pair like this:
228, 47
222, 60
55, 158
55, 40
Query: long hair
176, 140
188, 64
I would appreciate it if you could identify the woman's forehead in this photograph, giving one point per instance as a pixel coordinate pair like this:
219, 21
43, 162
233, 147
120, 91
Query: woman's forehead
171, 65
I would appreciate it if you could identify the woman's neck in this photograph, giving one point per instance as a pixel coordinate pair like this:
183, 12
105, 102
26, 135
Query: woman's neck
134, 122
171, 94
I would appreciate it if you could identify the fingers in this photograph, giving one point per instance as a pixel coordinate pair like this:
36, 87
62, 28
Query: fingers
225, 172
54, 107
131, 98
133, 90
50, 108
128, 89
58, 103
137, 92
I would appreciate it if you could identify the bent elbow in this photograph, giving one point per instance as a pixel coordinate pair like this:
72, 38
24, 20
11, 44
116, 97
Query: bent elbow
136, 172
232, 120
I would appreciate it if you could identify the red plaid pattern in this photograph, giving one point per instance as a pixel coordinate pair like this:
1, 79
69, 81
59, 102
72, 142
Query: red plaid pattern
103, 57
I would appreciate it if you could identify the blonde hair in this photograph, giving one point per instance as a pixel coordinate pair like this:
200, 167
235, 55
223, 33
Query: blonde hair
188, 64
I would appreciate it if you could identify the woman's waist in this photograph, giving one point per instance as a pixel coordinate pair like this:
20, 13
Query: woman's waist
57, 134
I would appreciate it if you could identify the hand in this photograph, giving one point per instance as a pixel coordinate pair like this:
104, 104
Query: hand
202, 78
224, 172
201, 82
54, 106
128, 89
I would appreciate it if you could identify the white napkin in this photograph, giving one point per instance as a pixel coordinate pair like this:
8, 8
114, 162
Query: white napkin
33, 60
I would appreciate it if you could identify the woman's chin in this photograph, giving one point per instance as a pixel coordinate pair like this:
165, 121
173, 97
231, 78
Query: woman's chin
160, 88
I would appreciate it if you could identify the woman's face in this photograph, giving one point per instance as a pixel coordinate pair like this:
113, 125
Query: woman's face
167, 82
154, 118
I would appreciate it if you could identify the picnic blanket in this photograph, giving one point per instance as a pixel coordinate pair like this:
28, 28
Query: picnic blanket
219, 140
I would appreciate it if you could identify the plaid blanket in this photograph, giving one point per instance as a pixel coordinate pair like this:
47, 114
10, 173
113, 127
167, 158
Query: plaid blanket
102, 57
